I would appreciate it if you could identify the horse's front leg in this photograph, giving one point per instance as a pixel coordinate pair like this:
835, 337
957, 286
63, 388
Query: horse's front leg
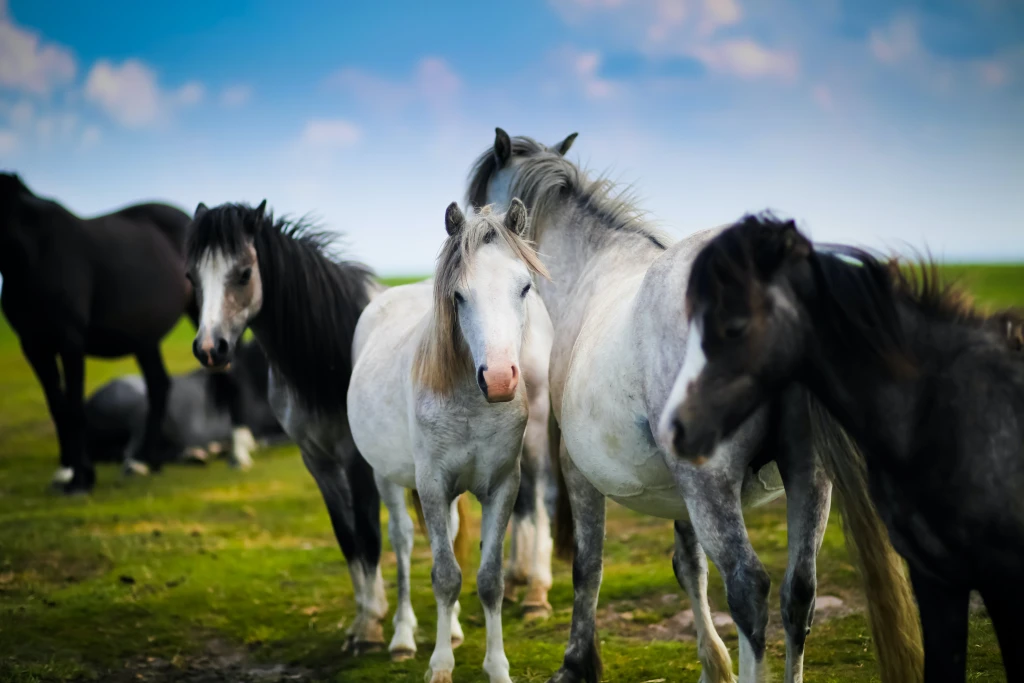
400, 532
158, 387
582, 662
691, 568
84, 477
713, 501
497, 508
445, 575
808, 498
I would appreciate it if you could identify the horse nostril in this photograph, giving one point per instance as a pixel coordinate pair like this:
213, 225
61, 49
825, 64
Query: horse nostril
515, 373
678, 435
222, 347
480, 378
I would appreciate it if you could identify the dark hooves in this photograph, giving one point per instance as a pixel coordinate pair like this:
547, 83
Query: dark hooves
564, 675
81, 483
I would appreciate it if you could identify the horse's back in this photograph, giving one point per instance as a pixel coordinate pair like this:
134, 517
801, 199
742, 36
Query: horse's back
167, 220
380, 392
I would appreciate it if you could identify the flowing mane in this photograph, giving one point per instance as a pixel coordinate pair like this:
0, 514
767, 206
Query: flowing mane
544, 178
860, 291
442, 358
311, 300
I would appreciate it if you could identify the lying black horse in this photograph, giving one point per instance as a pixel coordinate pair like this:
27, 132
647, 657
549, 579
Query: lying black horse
931, 391
109, 286
199, 414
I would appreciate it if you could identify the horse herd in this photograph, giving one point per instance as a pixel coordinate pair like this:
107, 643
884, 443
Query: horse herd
685, 380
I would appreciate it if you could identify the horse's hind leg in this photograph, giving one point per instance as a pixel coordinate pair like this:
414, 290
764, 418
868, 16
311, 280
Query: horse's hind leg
582, 662
691, 568
497, 508
530, 553
355, 533
808, 497
943, 610
158, 385
400, 532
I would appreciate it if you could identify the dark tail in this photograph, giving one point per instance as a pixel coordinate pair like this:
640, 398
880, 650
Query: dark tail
565, 543
461, 542
892, 609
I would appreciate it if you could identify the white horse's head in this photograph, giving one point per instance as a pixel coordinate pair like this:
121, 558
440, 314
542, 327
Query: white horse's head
495, 172
483, 280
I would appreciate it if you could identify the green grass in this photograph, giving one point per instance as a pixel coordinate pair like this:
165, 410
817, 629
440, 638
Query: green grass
205, 570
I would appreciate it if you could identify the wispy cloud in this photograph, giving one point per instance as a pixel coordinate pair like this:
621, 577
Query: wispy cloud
330, 134
689, 28
131, 95
29, 64
432, 83
235, 95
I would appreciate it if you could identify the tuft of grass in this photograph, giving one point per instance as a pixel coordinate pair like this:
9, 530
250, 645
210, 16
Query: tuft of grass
207, 570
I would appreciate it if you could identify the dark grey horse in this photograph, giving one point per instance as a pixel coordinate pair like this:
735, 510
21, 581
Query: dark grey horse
929, 390
199, 414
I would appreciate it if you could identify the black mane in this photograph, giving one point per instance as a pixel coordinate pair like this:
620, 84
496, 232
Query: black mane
311, 301
858, 293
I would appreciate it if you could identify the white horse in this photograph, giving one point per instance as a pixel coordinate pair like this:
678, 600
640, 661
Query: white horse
616, 303
436, 404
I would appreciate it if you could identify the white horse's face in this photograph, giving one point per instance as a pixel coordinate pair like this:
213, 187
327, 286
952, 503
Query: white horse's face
491, 302
230, 294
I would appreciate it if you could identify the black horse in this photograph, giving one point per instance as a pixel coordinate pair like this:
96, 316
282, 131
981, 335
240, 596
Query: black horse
930, 390
108, 286
198, 418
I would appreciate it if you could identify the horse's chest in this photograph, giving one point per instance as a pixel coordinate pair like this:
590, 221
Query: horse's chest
477, 449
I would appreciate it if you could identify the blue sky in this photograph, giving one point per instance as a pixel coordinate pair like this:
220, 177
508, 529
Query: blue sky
877, 123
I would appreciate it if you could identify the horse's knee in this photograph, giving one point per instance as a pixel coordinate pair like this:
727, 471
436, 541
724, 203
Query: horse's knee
797, 597
489, 587
447, 579
747, 588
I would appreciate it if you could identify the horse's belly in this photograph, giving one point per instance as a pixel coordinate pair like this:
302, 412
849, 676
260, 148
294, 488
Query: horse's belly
615, 452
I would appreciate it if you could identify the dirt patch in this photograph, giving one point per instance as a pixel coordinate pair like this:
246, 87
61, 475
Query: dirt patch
220, 663
642, 621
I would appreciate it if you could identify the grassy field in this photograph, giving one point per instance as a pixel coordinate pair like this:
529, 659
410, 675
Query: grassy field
208, 574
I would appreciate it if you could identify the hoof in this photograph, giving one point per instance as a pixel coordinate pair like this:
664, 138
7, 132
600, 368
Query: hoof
438, 676
402, 654
135, 468
195, 456
563, 675
537, 611
62, 476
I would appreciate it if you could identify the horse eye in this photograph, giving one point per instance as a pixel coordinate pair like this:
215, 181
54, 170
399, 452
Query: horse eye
243, 277
459, 299
526, 290
734, 329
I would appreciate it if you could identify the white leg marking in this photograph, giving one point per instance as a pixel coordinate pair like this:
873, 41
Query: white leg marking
242, 444
751, 670
63, 475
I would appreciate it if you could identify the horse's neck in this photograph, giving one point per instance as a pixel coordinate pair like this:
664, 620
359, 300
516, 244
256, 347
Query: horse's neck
586, 259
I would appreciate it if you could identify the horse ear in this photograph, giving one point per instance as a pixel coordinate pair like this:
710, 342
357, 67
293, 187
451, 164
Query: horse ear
200, 211
515, 217
502, 146
453, 219
562, 147
261, 215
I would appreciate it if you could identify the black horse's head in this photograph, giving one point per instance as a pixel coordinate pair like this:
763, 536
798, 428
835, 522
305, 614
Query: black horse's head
224, 269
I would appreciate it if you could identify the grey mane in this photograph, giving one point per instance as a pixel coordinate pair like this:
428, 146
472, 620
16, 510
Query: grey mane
545, 179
